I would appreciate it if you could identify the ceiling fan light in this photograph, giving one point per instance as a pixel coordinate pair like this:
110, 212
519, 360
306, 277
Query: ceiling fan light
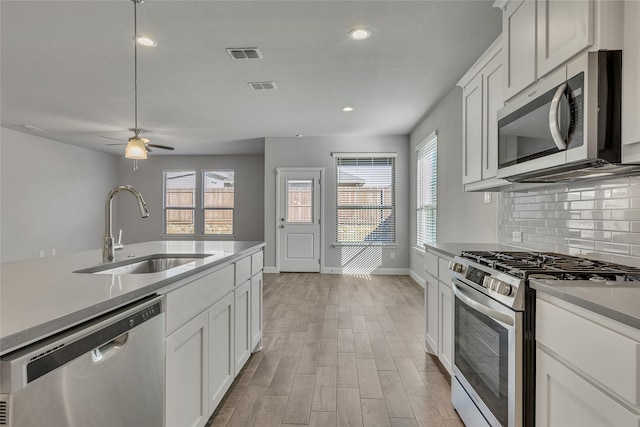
136, 149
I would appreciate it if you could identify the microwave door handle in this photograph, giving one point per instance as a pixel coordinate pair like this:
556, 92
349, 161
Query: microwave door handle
553, 118
462, 296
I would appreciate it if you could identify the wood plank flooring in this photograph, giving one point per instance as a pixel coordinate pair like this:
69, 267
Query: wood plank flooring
340, 350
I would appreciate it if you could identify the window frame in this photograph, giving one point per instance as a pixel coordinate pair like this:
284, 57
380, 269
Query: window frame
198, 208
360, 155
426, 233
204, 209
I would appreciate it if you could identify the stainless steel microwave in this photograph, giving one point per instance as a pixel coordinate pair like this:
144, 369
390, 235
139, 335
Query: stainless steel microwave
567, 126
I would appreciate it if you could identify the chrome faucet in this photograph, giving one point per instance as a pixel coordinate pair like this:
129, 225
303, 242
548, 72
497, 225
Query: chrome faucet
109, 248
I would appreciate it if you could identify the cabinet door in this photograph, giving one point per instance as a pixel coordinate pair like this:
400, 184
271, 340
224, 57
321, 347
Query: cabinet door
221, 360
472, 130
186, 395
242, 325
256, 310
519, 32
493, 85
445, 305
564, 29
631, 78
564, 399
432, 317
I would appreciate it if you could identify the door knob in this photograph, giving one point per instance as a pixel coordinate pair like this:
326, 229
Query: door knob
282, 226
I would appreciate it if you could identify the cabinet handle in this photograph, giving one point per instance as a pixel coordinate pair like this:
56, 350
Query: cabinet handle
553, 118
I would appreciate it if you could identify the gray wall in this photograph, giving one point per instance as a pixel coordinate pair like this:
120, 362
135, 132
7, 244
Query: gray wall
316, 152
462, 217
52, 196
249, 193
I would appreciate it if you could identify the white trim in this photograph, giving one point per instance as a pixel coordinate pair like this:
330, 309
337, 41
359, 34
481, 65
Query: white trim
279, 170
270, 270
433, 135
419, 250
416, 278
358, 154
380, 271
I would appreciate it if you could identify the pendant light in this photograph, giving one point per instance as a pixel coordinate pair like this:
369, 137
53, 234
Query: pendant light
136, 147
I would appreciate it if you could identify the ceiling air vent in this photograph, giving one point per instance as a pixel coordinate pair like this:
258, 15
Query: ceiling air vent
262, 85
244, 53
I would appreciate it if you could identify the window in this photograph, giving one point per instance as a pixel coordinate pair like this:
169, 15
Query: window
215, 197
179, 202
427, 186
218, 201
365, 208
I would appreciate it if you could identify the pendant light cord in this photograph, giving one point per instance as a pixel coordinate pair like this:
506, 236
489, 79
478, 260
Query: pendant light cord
135, 64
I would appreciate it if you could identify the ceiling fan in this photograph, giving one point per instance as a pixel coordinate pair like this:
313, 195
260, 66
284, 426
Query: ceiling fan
144, 140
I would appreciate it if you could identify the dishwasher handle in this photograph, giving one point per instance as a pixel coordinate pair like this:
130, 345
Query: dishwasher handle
110, 337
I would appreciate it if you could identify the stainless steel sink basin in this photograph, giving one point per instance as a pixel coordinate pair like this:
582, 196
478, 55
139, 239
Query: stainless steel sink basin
144, 265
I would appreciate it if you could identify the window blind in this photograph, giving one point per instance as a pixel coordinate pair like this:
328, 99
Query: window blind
365, 199
427, 190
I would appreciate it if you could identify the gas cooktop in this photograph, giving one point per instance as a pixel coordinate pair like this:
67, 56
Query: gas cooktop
549, 265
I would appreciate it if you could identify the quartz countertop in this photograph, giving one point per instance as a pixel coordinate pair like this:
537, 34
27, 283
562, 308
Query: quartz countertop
454, 249
43, 296
618, 301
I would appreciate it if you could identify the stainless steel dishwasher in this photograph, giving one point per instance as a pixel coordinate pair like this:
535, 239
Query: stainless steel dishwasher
106, 372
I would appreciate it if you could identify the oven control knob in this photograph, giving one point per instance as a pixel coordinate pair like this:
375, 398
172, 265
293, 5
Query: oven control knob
456, 267
503, 289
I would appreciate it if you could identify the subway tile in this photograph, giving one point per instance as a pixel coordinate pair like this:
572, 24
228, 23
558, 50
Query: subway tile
582, 224
612, 204
601, 256
583, 205
594, 214
633, 261
626, 214
621, 237
613, 248
581, 244
635, 202
635, 226
613, 225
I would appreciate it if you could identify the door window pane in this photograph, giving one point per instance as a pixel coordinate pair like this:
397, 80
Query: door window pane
300, 201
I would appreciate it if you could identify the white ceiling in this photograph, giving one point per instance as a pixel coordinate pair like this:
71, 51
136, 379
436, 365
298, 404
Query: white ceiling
67, 68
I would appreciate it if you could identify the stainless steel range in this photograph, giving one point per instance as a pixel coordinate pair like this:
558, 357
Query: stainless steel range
494, 318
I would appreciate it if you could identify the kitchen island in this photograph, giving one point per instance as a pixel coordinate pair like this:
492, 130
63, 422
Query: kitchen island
43, 296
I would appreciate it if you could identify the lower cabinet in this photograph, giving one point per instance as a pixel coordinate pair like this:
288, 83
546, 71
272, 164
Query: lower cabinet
445, 305
221, 361
187, 370
256, 311
206, 353
439, 309
242, 325
587, 370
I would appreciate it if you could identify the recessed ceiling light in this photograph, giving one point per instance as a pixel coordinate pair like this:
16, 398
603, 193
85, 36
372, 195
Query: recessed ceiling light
146, 41
359, 34
298, 135
347, 109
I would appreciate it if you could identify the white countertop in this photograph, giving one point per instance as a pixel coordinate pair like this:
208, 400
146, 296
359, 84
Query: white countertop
43, 296
454, 249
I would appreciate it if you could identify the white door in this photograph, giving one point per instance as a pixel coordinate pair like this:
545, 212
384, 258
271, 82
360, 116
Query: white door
299, 220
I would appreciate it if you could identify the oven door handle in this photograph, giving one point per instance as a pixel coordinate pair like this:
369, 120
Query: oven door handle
468, 300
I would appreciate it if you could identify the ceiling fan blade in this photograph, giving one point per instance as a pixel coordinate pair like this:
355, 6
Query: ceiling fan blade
110, 137
121, 143
164, 147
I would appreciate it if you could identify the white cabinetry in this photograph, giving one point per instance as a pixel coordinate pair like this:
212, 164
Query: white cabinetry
242, 324
587, 367
187, 371
439, 308
482, 97
211, 330
541, 35
221, 361
631, 83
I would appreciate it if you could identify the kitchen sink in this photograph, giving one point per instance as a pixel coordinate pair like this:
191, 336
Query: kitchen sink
144, 265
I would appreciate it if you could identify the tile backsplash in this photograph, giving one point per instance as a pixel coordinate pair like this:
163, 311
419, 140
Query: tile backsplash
599, 219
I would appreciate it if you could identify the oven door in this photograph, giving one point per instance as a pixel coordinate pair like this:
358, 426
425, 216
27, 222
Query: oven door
487, 358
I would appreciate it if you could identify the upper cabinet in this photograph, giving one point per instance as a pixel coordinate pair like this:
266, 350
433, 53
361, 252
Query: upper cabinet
631, 83
482, 97
541, 35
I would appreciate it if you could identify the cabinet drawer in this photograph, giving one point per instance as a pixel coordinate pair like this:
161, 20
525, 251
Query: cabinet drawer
257, 261
186, 302
443, 270
602, 354
431, 264
243, 270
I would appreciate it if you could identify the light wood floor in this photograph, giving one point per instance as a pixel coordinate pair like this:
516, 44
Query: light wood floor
340, 351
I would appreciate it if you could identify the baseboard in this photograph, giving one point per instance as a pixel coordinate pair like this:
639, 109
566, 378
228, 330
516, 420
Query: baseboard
270, 270
380, 271
416, 277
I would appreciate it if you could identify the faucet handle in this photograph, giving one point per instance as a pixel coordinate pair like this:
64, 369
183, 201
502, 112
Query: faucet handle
118, 245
